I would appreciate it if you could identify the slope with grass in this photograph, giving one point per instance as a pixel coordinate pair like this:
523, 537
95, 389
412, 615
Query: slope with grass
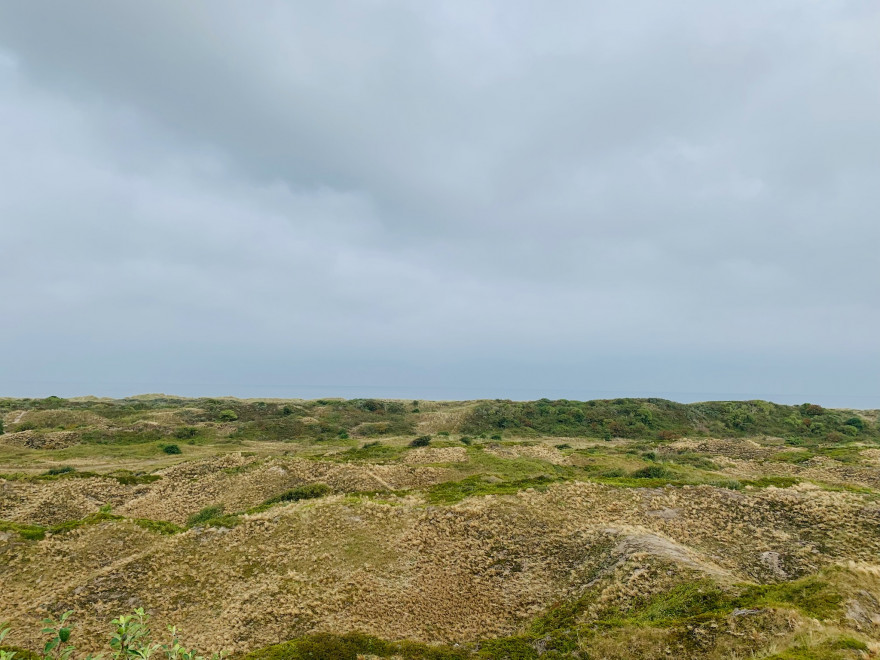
447, 530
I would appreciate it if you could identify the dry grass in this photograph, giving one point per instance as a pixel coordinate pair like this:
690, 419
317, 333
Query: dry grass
545, 546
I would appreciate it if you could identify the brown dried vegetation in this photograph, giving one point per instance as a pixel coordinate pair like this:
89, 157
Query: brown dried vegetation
505, 548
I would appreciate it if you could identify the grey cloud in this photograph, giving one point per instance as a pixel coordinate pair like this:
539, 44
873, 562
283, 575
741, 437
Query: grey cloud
539, 186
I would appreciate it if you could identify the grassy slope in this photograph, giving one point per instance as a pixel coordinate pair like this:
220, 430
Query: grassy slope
486, 449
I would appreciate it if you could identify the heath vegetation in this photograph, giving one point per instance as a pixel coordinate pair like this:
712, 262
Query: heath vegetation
280, 530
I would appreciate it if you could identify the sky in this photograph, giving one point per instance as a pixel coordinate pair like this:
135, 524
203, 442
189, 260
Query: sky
456, 200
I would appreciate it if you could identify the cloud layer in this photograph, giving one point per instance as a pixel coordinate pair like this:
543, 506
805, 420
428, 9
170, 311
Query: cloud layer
472, 199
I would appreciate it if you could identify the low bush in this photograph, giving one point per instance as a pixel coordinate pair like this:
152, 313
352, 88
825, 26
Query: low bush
652, 472
421, 441
63, 469
205, 515
305, 492
171, 449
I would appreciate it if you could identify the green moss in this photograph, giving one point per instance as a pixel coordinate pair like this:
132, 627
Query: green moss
812, 595
777, 482
91, 519
29, 532
849, 643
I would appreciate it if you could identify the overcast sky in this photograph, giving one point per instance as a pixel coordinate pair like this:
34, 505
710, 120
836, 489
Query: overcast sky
441, 200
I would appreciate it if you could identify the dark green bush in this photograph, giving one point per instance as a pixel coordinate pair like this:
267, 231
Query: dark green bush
856, 422
64, 469
171, 449
652, 472
421, 441
227, 415
305, 492
129, 479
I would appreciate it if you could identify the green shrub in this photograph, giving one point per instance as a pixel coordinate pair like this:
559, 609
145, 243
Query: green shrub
171, 449
227, 415
856, 422
205, 515
421, 441
63, 469
652, 472
186, 432
305, 492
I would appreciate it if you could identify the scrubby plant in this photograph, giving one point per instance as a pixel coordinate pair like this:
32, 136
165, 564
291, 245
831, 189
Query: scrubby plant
131, 640
205, 515
305, 492
855, 422
227, 415
651, 472
421, 441
62, 469
186, 432
171, 449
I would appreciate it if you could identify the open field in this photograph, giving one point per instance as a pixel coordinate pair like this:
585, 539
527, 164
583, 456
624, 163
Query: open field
485, 529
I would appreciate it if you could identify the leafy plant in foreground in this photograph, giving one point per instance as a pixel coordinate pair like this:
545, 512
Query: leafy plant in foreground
131, 640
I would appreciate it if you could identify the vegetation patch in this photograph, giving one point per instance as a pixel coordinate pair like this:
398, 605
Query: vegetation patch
305, 492
454, 491
213, 516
